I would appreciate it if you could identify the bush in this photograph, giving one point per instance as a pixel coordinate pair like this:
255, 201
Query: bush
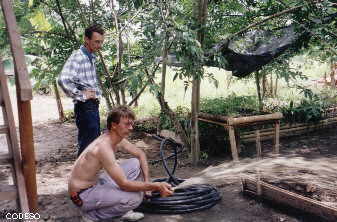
309, 110
231, 106
181, 112
148, 125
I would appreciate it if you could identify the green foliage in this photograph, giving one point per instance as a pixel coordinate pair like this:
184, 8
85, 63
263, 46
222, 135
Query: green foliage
230, 106
213, 138
182, 114
309, 110
148, 125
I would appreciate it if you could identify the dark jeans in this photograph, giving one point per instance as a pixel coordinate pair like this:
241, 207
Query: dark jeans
87, 122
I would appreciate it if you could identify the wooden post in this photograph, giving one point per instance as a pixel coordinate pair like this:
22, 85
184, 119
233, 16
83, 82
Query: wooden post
276, 148
233, 143
238, 140
258, 143
24, 95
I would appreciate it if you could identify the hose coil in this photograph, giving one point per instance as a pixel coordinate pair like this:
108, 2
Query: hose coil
184, 200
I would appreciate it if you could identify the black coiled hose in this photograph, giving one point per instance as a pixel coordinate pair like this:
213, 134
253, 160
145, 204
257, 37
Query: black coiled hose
184, 200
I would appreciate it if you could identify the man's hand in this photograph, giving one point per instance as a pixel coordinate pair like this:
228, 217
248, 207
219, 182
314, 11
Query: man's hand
165, 189
147, 194
89, 94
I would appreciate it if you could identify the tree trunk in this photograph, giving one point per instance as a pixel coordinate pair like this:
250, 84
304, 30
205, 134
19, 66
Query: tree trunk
164, 65
276, 86
107, 76
168, 111
271, 85
258, 89
123, 96
332, 76
264, 86
119, 54
58, 102
200, 14
118, 98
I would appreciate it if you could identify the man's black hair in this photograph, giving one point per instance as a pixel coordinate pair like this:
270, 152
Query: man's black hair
93, 28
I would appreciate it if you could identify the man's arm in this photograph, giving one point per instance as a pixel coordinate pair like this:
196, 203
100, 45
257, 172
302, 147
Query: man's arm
107, 158
138, 153
67, 78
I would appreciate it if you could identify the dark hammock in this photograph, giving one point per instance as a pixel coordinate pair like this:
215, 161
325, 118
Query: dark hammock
260, 48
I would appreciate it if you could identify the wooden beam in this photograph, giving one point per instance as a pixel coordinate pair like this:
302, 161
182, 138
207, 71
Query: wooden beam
285, 130
232, 140
240, 120
13, 148
21, 72
258, 144
213, 117
28, 152
285, 197
254, 119
24, 95
214, 122
276, 147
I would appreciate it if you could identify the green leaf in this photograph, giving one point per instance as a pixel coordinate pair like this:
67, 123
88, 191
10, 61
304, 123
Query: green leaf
40, 22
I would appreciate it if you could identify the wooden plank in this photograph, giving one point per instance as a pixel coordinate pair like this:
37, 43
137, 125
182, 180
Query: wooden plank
21, 72
12, 142
285, 197
6, 159
8, 192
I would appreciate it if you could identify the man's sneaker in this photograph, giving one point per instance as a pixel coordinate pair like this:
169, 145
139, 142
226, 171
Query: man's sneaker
132, 216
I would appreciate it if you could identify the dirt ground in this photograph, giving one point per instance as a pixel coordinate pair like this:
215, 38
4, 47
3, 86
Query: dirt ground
311, 157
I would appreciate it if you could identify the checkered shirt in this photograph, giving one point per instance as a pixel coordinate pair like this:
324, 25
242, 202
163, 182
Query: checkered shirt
78, 74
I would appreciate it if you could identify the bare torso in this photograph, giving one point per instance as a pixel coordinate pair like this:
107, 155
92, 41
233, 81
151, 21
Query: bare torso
87, 166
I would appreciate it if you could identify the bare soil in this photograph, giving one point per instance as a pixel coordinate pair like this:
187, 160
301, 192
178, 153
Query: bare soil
55, 149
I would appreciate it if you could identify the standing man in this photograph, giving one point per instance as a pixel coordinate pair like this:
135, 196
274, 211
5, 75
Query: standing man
120, 187
79, 80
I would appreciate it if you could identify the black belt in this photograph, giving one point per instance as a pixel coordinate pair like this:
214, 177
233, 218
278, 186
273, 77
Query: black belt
95, 101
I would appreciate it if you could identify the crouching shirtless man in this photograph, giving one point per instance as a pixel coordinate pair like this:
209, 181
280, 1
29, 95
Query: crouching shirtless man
120, 187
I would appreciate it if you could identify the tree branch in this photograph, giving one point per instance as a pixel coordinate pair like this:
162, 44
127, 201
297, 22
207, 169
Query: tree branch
265, 20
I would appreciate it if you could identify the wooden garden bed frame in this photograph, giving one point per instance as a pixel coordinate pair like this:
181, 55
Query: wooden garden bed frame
275, 194
259, 135
232, 123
